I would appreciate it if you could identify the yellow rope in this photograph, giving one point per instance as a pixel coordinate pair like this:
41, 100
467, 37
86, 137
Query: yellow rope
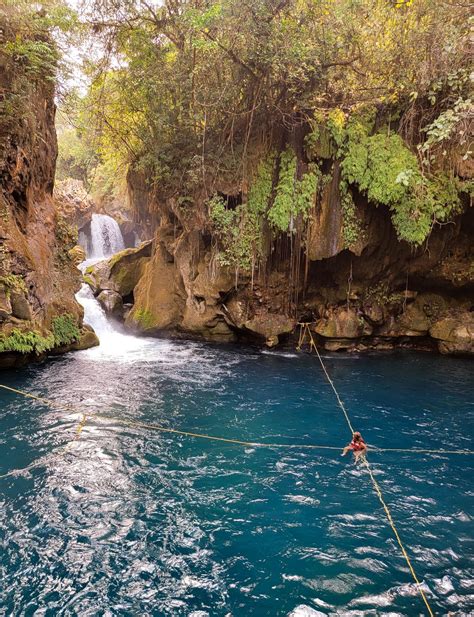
158, 427
251, 444
258, 444
397, 535
376, 485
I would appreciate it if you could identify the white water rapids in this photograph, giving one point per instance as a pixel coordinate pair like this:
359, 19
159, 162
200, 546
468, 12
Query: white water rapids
106, 240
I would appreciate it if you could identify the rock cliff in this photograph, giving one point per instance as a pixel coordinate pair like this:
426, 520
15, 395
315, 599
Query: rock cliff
381, 294
38, 277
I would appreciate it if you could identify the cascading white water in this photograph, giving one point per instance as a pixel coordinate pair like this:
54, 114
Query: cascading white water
114, 344
106, 237
94, 314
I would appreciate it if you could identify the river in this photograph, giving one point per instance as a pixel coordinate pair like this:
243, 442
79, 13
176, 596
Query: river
131, 521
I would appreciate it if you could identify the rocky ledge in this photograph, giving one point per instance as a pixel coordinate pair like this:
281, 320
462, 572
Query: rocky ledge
154, 290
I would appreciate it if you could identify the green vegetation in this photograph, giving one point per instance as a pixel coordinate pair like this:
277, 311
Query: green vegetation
239, 233
13, 282
191, 94
144, 318
65, 330
385, 169
351, 227
29, 57
293, 197
66, 239
26, 342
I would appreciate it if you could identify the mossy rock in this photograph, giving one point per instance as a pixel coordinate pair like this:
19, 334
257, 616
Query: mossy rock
455, 333
343, 323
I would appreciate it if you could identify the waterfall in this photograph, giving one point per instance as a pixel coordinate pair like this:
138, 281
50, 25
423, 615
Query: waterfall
115, 345
94, 314
105, 240
106, 237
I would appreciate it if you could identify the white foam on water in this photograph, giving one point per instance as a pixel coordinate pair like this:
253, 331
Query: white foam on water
302, 610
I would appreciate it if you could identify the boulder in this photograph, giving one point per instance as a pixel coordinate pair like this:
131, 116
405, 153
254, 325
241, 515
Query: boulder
206, 321
111, 302
343, 323
88, 339
259, 321
270, 326
159, 296
412, 322
455, 333
121, 272
373, 312
127, 267
20, 306
5, 304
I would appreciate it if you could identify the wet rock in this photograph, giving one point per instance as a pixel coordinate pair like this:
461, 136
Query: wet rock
455, 333
412, 322
77, 254
159, 297
270, 326
272, 341
343, 323
325, 239
88, 339
121, 272
20, 306
374, 313
111, 302
339, 344
5, 304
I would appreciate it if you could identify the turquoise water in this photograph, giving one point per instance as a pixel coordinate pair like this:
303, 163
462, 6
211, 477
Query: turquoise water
133, 522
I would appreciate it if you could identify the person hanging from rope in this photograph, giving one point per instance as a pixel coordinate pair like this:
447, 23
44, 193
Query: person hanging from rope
357, 445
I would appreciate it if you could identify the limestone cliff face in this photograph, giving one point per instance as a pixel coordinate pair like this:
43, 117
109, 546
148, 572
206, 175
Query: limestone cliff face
381, 294
38, 277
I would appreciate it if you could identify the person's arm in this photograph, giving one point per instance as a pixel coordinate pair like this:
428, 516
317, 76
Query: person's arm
346, 450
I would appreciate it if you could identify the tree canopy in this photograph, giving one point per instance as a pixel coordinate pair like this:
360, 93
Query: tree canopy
198, 94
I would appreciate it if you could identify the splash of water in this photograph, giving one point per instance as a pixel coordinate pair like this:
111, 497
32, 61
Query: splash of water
115, 345
94, 314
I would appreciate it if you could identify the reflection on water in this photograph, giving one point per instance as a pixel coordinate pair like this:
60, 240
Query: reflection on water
132, 522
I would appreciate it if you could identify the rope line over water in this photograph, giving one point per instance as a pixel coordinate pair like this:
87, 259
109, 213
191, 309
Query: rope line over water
254, 444
304, 327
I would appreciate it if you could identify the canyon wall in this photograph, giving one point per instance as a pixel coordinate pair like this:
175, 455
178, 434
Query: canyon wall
381, 294
38, 274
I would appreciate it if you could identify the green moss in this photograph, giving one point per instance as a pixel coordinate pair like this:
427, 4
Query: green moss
65, 330
239, 232
144, 318
351, 225
13, 282
87, 279
261, 188
26, 342
66, 239
118, 256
